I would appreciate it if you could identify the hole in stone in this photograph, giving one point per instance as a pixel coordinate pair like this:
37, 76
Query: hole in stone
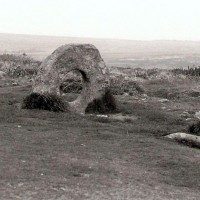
72, 84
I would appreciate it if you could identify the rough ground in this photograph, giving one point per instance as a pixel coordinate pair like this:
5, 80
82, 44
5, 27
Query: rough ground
45, 155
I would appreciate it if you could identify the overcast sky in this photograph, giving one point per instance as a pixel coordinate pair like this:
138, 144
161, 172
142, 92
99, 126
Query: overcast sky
125, 19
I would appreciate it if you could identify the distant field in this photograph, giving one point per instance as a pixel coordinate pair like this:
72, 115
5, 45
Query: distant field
126, 53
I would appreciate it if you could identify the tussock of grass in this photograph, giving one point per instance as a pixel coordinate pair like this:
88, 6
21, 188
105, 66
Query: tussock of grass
44, 102
194, 128
106, 104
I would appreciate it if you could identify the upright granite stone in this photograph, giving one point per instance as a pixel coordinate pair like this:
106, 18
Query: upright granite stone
82, 57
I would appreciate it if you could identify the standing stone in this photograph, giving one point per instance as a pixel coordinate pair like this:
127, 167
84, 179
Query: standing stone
84, 58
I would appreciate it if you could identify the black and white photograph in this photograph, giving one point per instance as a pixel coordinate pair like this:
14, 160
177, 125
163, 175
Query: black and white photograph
99, 99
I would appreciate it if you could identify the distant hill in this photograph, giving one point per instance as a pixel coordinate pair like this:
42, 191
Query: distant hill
126, 53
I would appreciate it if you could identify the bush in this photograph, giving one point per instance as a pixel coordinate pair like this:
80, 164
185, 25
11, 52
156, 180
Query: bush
106, 104
16, 66
44, 102
190, 71
194, 129
119, 86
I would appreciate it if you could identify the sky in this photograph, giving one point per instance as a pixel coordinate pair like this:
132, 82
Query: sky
117, 19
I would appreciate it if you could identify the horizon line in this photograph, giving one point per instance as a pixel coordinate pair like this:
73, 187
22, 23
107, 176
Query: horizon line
98, 38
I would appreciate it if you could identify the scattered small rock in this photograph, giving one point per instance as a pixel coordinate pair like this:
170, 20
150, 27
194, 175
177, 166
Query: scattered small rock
145, 95
125, 94
197, 115
185, 114
15, 84
163, 100
2, 74
163, 108
20, 184
123, 118
105, 116
119, 117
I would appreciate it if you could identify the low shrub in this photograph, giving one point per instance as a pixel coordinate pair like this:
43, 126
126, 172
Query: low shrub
44, 102
119, 86
194, 128
190, 71
16, 66
106, 104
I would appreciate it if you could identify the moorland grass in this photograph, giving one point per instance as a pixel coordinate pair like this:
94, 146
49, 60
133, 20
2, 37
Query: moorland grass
44, 102
194, 128
106, 104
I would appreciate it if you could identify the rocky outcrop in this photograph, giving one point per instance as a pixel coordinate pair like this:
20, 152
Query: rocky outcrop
82, 57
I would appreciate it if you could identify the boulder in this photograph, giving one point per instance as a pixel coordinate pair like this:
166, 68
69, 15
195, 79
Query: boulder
84, 58
190, 139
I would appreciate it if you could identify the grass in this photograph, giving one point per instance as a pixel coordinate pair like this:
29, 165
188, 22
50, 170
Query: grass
106, 104
194, 128
49, 155
62, 155
17, 66
119, 86
44, 102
